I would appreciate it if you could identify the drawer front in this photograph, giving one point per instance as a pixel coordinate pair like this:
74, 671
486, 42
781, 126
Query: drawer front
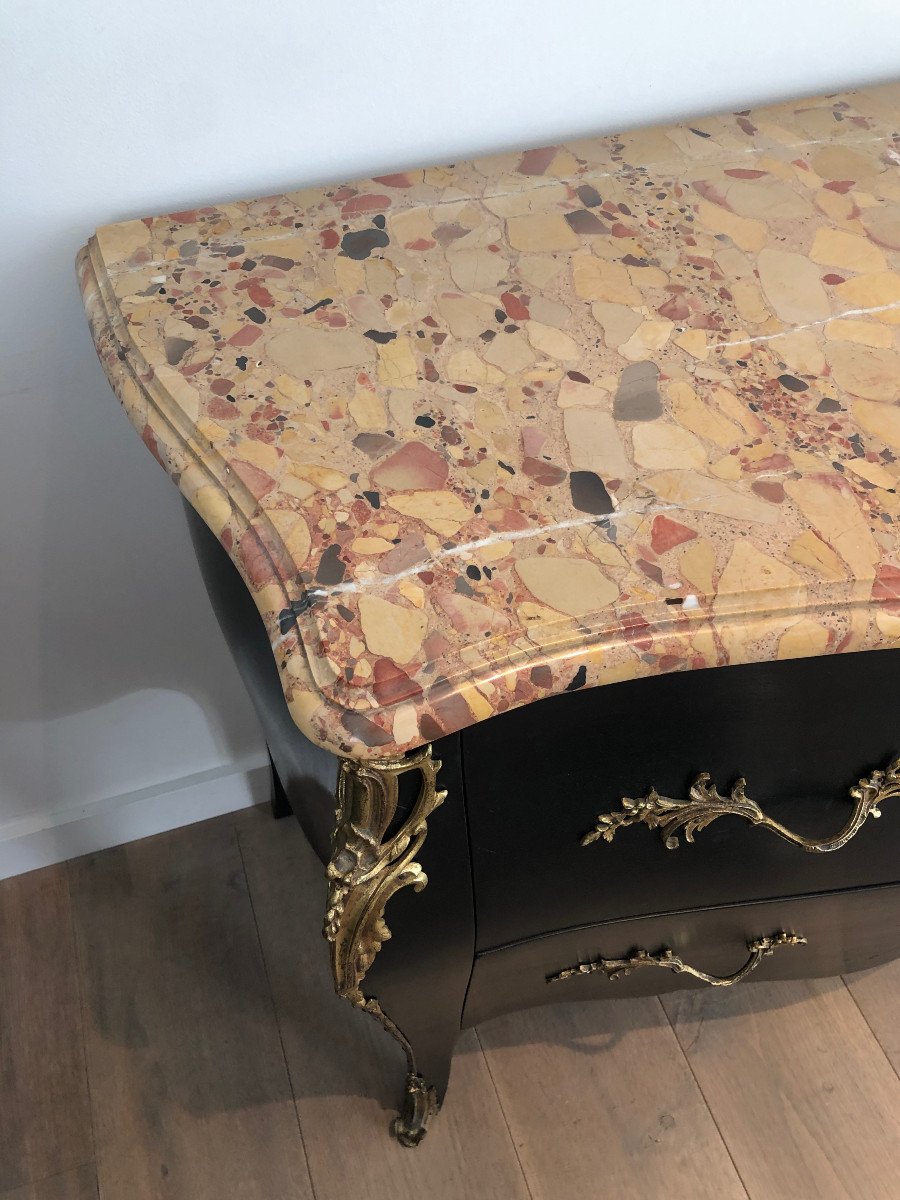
802, 733
843, 931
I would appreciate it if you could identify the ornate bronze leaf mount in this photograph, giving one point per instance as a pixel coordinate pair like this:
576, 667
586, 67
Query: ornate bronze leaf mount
372, 857
704, 804
619, 968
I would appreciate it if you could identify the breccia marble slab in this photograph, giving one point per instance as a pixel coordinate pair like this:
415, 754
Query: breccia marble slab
476, 435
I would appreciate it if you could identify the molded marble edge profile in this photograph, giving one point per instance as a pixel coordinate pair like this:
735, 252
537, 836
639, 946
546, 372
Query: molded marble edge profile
567, 644
121, 370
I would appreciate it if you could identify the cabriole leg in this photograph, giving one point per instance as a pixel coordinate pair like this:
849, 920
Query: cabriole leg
371, 859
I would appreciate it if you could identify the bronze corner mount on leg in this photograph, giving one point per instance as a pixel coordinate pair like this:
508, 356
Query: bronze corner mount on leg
370, 861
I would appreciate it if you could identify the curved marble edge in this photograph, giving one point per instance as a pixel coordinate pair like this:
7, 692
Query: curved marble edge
323, 708
133, 384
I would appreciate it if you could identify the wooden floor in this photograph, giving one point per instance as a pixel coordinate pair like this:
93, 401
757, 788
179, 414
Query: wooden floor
168, 1029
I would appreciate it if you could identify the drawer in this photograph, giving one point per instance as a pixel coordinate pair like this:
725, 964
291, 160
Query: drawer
801, 733
844, 931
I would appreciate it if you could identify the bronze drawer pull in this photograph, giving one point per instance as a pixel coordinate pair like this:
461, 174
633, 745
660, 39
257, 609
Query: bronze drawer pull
705, 804
617, 968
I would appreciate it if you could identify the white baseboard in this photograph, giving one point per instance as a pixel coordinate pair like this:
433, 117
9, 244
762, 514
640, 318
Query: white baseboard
32, 842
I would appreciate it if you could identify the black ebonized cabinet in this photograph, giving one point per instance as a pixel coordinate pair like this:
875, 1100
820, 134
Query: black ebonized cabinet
513, 896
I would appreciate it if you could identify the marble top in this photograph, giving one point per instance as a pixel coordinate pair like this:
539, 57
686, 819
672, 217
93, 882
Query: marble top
480, 434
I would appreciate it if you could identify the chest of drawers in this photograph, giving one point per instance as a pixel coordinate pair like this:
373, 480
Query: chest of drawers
548, 505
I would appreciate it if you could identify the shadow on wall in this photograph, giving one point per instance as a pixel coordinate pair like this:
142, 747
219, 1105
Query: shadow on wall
102, 598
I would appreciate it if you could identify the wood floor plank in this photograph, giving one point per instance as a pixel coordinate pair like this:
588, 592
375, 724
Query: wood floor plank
189, 1088
80, 1184
45, 1125
877, 992
347, 1072
600, 1101
804, 1096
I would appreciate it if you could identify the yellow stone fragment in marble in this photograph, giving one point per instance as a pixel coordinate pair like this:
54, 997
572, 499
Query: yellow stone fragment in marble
480, 707
835, 514
792, 285
294, 534
412, 592
511, 353
540, 623
804, 639
751, 575
864, 333
618, 321
538, 269
405, 725
541, 231
305, 350
700, 418
477, 269
185, 395
569, 585
882, 420
837, 248
698, 563
649, 337
800, 351
888, 623
596, 279
464, 366
694, 342
390, 629
595, 444
573, 394
370, 545
878, 295
213, 506
867, 371
547, 340
745, 232
324, 479
833, 161
442, 511
120, 241
397, 365
727, 467
699, 493
292, 389
766, 199
367, 408
810, 551
663, 444
749, 302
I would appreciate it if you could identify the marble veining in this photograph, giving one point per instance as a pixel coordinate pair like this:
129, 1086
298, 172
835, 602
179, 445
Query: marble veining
481, 434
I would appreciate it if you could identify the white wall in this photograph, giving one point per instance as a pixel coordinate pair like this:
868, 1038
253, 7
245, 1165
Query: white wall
120, 712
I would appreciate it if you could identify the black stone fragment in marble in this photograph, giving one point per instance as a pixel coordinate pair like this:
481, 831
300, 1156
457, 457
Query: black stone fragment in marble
176, 348
578, 679
331, 569
360, 243
637, 397
589, 494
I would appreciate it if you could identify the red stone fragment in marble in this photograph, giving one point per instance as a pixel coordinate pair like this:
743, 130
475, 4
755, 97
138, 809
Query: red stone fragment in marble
245, 336
770, 490
886, 587
544, 473
255, 480
536, 162
370, 203
413, 467
400, 180
666, 534
391, 684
